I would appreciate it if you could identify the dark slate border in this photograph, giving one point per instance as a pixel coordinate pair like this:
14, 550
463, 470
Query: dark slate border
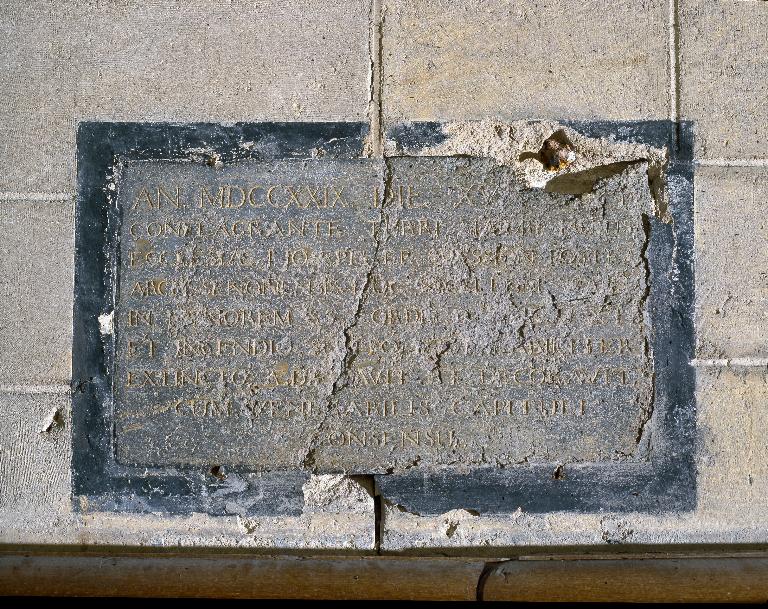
98, 483
667, 480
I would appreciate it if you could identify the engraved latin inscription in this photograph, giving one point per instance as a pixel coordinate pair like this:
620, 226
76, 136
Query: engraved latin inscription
362, 316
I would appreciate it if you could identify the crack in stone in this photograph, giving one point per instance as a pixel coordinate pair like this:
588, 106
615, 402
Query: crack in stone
375, 141
647, 412
437, 367
342, 378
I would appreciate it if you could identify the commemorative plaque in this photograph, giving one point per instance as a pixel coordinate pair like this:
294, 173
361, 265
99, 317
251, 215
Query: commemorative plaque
258, 303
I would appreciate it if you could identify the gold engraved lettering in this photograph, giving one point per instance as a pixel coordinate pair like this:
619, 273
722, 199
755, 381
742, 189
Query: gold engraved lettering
402, 316
358, 438
371, 376
274, 196
140, 318
200, 407
213, 317
408, 198
227, 197
283, 375
152, 287
143, 347
278, 409
161, 198
430, 438
231, 347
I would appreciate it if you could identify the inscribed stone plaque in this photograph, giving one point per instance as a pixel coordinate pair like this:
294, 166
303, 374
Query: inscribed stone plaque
320, 312
255, 303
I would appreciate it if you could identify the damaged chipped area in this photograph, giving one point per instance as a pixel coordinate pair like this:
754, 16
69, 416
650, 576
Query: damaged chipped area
545, 154
53, 423
501, 327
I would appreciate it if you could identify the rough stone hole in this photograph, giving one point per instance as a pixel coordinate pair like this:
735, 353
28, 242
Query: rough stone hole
53, 422
557, 152
217, 471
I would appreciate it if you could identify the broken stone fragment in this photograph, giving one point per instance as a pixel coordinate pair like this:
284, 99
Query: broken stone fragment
538, 151
337, 493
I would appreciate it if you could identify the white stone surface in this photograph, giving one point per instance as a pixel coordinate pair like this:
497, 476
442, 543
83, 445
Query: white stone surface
36, 270
724, 76
731, 204
35, 504
168, 60
474, 60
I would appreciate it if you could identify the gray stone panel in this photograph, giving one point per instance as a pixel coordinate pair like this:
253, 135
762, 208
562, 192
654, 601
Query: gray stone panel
280, 315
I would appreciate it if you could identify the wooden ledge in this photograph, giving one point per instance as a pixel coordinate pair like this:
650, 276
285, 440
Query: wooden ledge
741, 578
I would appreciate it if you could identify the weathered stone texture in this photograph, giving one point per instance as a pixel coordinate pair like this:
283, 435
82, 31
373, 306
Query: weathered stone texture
462, 319
34, 454
731, 261
36, 266
723, 76
447, 60
165, 60
733, 453
169, 60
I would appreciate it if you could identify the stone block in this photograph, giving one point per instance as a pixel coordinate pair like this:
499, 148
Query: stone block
733, 454
169, 61
36, 267
723, 75
37, 118
35, 450
731, 262
511, 60
569, 382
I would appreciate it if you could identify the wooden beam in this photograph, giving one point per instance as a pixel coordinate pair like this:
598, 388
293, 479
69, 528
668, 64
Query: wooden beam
558, 578
630, 580
227, 576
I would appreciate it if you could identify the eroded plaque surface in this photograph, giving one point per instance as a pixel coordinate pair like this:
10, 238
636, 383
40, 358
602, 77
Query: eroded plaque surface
363, 316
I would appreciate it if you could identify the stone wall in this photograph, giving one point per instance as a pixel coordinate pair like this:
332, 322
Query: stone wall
386, 62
